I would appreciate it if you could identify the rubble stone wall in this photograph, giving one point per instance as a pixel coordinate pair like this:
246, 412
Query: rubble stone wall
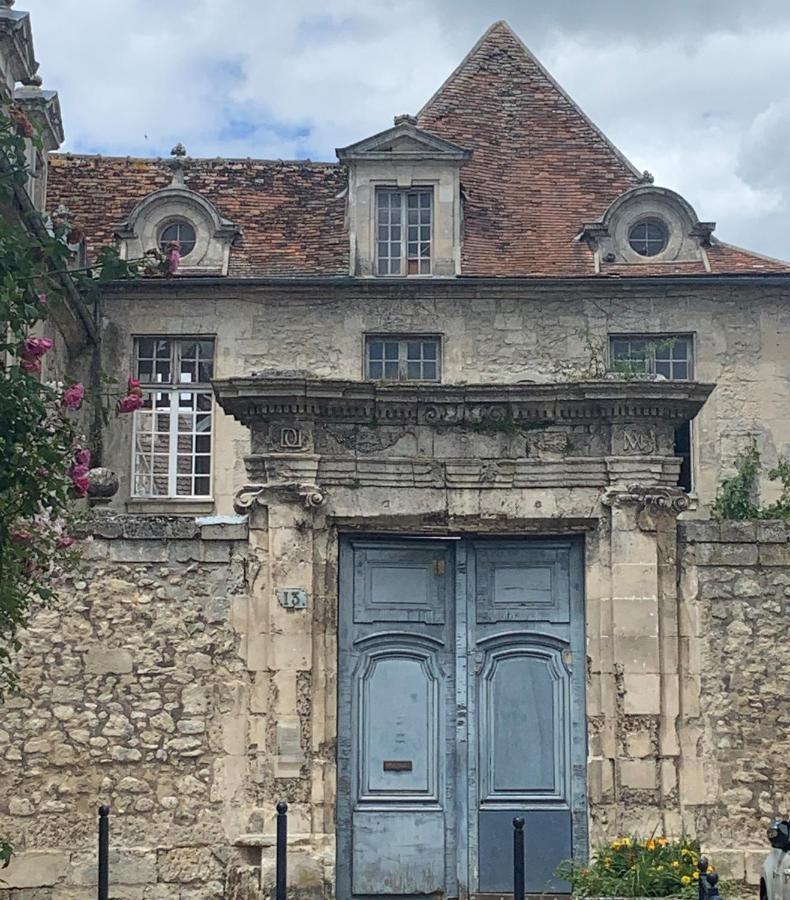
130, 695
735, 664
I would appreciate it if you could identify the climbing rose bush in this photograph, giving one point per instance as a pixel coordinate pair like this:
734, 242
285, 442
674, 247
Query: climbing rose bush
45, 459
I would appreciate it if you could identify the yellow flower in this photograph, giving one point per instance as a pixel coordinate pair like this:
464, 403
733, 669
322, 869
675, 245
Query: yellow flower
685, 880
651, 845
663, 841
696, 875
626, 842
607, 862
675, 864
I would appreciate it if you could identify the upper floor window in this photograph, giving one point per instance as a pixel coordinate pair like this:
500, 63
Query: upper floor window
173, 429
668, 356
391, 358
404, 231
664, 355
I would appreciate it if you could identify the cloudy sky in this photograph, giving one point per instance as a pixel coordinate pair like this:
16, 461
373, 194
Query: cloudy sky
696, 91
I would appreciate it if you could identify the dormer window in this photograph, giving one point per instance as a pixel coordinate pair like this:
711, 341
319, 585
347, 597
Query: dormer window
648, 237
177, 213
404, 222
648, 225
181, 231
404, 203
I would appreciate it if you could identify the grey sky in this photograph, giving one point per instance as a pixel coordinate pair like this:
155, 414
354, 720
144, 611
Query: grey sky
696, 91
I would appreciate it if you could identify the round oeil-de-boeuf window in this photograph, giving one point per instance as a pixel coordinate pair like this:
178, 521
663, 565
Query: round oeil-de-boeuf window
648, 237
181, 231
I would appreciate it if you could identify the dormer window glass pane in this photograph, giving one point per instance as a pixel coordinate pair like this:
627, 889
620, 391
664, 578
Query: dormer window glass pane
181, 231
404, 231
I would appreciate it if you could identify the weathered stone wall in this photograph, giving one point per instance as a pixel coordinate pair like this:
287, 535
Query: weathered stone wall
490, 334
735, 663
131, 696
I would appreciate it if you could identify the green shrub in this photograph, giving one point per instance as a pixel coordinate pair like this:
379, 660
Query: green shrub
632, 867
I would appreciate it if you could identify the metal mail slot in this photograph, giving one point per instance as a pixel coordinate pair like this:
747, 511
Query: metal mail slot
397, 765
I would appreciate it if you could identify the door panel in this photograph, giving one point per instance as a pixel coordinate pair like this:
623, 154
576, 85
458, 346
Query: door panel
523, 690
398, 703
396, 741
460, 707
547, 841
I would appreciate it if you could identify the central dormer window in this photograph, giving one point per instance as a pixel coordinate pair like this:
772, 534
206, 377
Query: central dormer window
404, 223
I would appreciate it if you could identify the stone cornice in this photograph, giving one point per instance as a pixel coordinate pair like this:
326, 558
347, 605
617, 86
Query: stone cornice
492, 408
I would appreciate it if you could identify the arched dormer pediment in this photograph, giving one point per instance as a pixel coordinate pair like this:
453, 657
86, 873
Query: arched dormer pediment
648, 224
152, 221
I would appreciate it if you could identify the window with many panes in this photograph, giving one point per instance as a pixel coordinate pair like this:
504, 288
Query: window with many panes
668, 356
404, 231
392, 358
173, 429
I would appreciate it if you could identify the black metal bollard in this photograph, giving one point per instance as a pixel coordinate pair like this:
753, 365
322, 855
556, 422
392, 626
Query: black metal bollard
702, 868
518, 858
282, 850
104, 852
708, 884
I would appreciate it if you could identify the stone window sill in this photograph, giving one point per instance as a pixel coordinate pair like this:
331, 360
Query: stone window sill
154, 505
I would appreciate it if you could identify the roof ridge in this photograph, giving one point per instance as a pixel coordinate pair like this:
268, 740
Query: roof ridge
502, 24
451, 77
67, 154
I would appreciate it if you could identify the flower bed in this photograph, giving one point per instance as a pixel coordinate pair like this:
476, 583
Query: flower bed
633, 867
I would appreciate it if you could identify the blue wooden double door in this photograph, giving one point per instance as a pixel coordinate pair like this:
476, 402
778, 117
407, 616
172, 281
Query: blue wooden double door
461, 706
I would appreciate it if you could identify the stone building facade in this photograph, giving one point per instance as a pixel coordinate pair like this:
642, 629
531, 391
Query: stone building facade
413, 528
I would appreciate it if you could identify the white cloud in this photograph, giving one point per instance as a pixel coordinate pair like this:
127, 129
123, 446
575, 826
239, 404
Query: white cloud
698, 93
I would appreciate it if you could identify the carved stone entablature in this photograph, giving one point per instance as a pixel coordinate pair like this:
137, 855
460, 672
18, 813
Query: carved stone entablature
489, 437
310, 495
487, 408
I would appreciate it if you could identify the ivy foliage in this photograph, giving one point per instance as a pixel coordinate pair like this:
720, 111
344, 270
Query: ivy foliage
738, 496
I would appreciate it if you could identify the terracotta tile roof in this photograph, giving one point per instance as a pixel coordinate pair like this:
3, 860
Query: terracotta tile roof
539, 170
289, 213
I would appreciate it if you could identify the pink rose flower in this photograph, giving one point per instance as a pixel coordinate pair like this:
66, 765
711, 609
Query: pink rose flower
34, 347
31, 366
79, 478
73, 396
64, 542
130, 403
173, 257
82, 457
133, 385
20, 535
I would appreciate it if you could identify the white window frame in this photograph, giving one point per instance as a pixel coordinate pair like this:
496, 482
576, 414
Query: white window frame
173, 389
404, 194
402, 340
